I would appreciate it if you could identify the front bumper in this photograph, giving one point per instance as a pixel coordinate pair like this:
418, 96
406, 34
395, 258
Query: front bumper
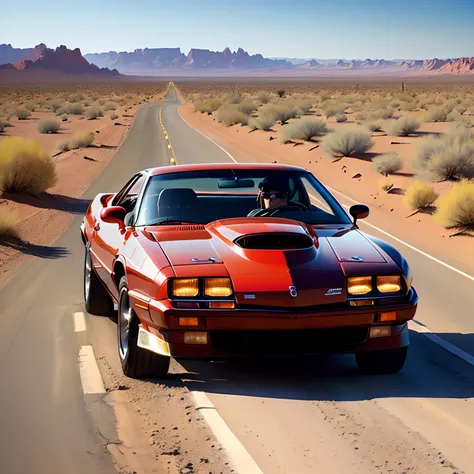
241, 332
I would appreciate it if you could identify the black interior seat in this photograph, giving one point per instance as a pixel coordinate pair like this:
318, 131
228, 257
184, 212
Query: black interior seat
178, 202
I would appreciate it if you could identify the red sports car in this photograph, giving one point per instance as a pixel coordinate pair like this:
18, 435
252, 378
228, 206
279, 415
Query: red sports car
221, 260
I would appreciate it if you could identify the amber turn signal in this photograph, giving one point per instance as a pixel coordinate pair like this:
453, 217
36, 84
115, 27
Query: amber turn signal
389, 316
221, 305
217, 287
188, 321
185, 287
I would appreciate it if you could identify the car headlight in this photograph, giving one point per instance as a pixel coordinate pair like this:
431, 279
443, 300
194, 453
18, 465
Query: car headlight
359, 285
217, 287
185, 287
389, 283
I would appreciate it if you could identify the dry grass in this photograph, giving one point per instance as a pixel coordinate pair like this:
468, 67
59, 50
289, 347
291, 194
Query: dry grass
403, 127
22, 113
48, 126
78, 140
347, 142
388, 163
456, 208
303, 129
24, 166
448, 157
420, 196
92, 113
7, 225
231, 115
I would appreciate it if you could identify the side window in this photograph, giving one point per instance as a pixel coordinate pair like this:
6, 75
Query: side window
128, 199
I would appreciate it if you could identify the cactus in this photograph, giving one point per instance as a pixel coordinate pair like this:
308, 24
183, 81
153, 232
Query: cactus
404, 86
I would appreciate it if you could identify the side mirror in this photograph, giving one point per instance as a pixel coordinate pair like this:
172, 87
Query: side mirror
359, 211
114, 215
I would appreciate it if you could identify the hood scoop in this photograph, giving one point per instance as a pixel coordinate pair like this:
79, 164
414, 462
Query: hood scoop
275, 241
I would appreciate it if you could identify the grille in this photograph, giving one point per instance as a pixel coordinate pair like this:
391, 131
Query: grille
304, 341
274, 241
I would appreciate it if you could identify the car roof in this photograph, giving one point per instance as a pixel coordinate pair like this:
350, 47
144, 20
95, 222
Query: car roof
222, 166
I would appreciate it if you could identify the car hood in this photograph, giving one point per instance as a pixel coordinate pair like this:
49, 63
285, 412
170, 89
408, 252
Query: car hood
272, 262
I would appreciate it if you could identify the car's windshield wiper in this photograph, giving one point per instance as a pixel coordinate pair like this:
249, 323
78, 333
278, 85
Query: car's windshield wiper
169, 220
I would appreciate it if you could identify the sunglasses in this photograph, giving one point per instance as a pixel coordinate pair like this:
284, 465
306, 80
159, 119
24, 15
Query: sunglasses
268, 195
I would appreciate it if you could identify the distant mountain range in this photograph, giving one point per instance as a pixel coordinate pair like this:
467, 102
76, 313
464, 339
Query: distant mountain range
149, 60
41, 58
172, 61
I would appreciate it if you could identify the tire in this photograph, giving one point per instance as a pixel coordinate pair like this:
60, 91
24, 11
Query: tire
387, 361
136, 361
96, 299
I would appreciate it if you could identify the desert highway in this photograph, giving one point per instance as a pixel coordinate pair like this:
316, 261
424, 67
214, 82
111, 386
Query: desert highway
317, 415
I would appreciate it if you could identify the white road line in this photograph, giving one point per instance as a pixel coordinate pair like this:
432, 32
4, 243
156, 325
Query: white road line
79, 322
422, 329
90, 376
450, 267
238, 455
210, 139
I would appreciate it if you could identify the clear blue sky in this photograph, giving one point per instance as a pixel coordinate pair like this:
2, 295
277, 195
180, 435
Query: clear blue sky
293, 28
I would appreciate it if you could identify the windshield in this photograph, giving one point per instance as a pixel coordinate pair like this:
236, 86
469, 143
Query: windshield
206, 196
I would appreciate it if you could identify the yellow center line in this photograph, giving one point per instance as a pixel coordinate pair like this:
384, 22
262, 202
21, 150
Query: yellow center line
167, 138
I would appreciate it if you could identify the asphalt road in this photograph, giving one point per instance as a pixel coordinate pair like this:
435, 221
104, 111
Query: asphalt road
292, 416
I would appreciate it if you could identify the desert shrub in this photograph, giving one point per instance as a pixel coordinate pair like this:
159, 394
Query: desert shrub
388, 163
376, 126
81, 140
281, 112
264, 97
420, 196
31, 106
92, 113
333, 109
436, 114
347, 142
110, 106
74, 98
247, 106
403, 127
449, 157
341, 118
25, 166
22, 113
230, 115
61, 111
234, 98
386, 185
48, 126
262, 122
7, 225
2, 126
280, 92
303, 129
456, 208
301, 106
54, 106
75, 109
207, 106
113, 116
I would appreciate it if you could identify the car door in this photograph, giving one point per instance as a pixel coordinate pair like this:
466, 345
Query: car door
108, 238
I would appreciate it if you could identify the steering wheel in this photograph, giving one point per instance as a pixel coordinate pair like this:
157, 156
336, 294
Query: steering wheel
294, 206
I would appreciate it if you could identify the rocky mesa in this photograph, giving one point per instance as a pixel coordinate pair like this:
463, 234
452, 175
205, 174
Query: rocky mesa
61, 59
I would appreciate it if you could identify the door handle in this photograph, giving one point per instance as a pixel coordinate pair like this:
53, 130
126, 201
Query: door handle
97, 227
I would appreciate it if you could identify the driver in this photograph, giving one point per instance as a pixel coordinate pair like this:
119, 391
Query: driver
273, 194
